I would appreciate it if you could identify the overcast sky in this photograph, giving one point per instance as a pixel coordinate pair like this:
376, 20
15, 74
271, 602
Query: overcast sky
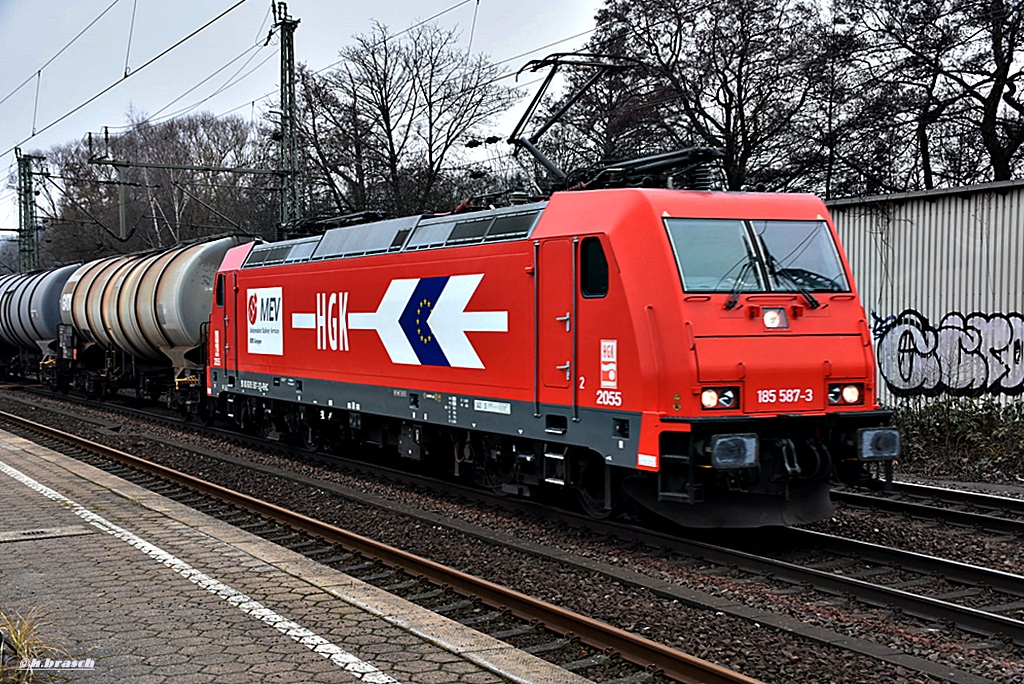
32, 32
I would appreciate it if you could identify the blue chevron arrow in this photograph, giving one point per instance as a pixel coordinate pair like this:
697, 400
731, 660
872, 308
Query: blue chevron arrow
415, 325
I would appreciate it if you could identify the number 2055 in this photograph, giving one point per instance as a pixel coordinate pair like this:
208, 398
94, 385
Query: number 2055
784, 396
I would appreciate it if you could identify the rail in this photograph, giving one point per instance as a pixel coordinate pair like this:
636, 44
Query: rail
667, 661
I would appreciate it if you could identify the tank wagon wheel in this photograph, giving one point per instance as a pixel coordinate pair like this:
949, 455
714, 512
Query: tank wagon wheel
204, 411
591, 475
97, 391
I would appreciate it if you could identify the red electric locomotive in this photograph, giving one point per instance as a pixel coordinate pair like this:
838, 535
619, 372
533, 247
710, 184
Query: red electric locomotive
702, 353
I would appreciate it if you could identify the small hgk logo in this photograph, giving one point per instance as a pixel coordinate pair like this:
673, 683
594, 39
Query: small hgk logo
609, 364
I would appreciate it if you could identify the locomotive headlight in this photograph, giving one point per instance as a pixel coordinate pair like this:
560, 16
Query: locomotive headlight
709, 398
774, 318
731, 452
878, 443
852, 393
720, 398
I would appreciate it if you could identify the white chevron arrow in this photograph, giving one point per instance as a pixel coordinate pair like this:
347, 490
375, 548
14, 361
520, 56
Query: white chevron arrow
449, 321
385, 321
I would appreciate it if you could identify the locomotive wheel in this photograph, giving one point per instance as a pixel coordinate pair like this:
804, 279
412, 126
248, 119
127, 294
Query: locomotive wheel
312, 437
97, 391
264, 426
492, 468
245, 418
590, 489
204, 411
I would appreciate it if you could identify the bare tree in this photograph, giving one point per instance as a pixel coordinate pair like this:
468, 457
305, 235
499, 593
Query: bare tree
732, 74
382, 128
959, 66
162, 206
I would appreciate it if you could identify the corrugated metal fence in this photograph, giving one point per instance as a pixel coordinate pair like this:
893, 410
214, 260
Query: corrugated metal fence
941, 276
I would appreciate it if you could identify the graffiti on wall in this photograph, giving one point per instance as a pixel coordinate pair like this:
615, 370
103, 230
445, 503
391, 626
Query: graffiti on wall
966, 355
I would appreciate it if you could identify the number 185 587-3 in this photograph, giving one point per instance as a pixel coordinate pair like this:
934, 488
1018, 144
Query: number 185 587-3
784, 395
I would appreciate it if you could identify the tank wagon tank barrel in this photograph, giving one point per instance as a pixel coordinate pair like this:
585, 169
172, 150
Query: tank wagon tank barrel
30, 315
127, 321
149, 306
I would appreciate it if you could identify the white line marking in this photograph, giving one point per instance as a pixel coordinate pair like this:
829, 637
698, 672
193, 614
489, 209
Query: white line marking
450, 321
359, 668
305, 321
385, 321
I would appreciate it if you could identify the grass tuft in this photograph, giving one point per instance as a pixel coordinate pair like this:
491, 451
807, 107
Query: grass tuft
962, 438
22, 637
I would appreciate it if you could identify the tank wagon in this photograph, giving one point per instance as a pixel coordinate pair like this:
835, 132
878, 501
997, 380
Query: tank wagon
30, 316
704, 354
123, 322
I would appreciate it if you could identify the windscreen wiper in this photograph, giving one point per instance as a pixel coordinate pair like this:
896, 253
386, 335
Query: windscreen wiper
776, 269
734, 294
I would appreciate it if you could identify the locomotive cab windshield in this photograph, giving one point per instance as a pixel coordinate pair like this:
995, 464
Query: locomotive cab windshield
733, 256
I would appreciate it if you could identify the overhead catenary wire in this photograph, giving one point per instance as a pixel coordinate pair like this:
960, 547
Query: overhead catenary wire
131, 31
501, 77
80, 207
126, 77
252, 103
38, 71
235, 78
155, 116
472, 28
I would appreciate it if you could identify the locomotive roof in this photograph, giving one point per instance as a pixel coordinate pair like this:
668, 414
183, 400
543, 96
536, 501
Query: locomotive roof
568, 210
406, 234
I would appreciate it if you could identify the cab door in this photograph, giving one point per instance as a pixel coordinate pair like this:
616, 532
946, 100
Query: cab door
222, 329
555, 321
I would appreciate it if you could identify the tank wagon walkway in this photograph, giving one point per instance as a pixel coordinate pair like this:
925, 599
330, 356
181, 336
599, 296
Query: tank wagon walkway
135, 587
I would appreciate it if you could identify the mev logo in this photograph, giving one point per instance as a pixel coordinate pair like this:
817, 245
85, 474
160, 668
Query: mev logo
263, 313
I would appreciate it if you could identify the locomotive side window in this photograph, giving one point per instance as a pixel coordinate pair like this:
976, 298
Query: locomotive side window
220, 289
593, 268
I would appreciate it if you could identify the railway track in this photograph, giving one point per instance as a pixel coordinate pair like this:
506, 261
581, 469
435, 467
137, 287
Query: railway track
417, 577
956, 507
979, 600
913, 585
